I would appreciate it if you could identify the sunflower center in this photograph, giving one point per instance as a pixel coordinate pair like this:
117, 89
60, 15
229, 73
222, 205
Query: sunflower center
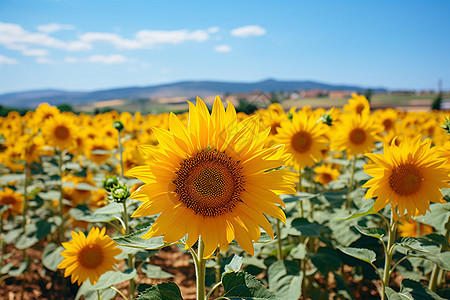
61, 132
387, 123
209, 183
357, 136
301, 141
326, 177
359, 108
405, 179
7, 200
91, 256
274, 128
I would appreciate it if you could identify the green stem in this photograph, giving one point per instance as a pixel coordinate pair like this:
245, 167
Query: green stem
218, 271
130, 256
279, 242
213, 289
2, 241
98, 295
25, 198
61, 193
120, 155
435, 274
350, 185
388, 257
300, 210
119, 292
200, 270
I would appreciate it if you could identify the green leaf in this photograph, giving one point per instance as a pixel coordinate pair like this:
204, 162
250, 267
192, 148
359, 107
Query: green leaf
299, 197
436, 238
366, 255
133, 240
364, 211
234, 265
254, 262
111, 278
299, 251
306, 228
409, 243
110, 209
152, 271
51, 256
88, 293
285, 279
17, 271
82, 213
373, 231
162, 291
437, 217
43, 228
243, 285
326, 260
264, 238
412, 290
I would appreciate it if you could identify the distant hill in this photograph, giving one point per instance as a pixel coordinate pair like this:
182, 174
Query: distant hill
31, 99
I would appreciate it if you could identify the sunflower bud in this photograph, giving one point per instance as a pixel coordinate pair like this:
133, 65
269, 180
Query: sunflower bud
118, 125
110, 182
120, 193
326, 119
446, 125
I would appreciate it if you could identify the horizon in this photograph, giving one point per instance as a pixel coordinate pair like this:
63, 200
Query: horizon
65, 45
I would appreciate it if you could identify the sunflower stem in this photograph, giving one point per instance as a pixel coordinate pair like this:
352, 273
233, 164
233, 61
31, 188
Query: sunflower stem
98, 295
300, 210
3, 244
25, 198
200, 270
120, 155
350, 185
388, 257
118, 292
61, 193
130, 256
280, 247
436, 271
218, 271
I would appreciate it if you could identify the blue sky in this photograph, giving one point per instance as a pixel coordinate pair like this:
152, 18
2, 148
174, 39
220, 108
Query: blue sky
88, 45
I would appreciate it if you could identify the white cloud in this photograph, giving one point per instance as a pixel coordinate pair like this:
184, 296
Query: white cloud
7, 60
54, 27
108, 59
35, 52
44, 60
13, 36
250, 30
71, 60
152, 37
214, 29
222, 48
110, 38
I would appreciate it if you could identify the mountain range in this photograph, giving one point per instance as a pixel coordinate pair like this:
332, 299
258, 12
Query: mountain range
31, 99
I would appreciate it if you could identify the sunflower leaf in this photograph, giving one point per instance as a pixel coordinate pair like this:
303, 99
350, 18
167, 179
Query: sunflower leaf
285, 279
326, 260
366, 255
372, 231
152, 271
111, 278
301, 196
242, 285
364, 211
51, 256
234, 265
306, 228
134, 240
162, 291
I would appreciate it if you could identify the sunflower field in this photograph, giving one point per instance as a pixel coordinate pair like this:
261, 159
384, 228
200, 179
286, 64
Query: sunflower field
346, 203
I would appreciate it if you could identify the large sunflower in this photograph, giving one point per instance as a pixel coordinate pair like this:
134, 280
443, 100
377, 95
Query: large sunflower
88, 257
59, 131
304, 138
408, 176
211, 179
355, 134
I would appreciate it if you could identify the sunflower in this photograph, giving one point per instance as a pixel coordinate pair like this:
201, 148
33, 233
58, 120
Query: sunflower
358, 104
304, 138
355, 134
88, 257
211, 179
60, 132
45, 112
99, 150
408, 176
325, 174
413, 229
13, 200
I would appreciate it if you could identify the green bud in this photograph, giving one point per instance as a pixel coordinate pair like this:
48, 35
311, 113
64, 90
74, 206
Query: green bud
110, 182
289, 116
120, 193
327, 119
118, 125
446, 125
